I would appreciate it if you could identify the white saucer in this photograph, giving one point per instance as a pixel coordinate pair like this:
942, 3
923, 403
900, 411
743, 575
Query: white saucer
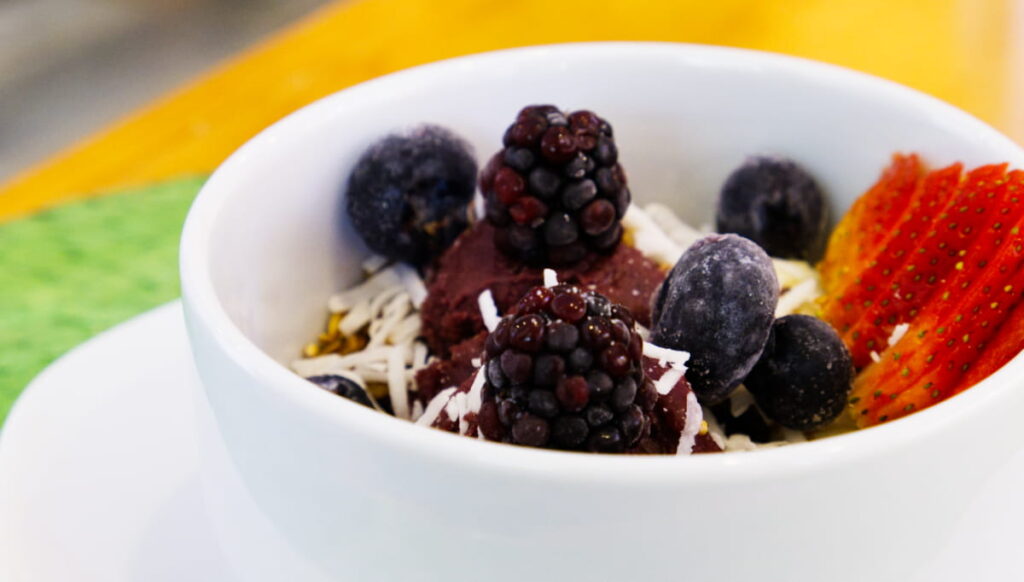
98, 475
98, 465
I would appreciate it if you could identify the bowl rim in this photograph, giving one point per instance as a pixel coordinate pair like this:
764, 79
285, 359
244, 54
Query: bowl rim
203, 307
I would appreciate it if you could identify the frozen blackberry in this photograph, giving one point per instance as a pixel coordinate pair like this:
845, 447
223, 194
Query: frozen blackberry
556, 190
343, 387
564, 371
408, 195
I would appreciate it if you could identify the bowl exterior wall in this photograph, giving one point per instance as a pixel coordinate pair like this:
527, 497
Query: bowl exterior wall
303, 485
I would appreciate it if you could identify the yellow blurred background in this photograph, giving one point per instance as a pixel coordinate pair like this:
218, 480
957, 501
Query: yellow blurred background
967, 52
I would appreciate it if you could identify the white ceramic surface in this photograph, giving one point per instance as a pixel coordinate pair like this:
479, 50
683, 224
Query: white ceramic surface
99, 472
343, 492
114, 495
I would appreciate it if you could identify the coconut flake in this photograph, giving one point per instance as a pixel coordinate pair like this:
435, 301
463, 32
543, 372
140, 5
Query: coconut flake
792, 272
691, 426
397, 387
412, 283
649, 239
488, 310
435, 406
388, 318
455, 406
739, 442
739, 401
406, 331
803, 293
550, 278
667, 381
377, 283
374, 263
715, 430
356, 318
681, 233
420, 355
479, 206
472, 401
897, 333
675, 359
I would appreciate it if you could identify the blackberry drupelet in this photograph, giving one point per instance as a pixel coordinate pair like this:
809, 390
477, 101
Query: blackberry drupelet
564, 371
556, 190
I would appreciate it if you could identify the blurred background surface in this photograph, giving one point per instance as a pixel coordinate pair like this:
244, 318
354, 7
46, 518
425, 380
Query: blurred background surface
70, 67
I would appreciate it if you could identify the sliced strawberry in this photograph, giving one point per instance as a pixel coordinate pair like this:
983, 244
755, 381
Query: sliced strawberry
930, 361
979, 205
869, 218
875, 268
1003, 347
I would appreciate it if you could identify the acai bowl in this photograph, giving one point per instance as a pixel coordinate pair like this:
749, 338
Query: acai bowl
303, 484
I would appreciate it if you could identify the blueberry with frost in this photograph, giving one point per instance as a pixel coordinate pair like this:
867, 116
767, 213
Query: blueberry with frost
717, 303
777, 204
408, 195
804, 376
343, 387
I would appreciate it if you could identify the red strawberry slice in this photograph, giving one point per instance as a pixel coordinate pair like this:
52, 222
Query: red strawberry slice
979, 204
1003, 347
929, 363
846, 303
869, 219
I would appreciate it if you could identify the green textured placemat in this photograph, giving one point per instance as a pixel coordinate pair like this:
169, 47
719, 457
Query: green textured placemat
68, 273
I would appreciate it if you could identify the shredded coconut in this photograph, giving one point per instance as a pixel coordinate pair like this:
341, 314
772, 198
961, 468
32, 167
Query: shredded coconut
488, 310
412, 283
550, 278
377, 283
681, 233
385, 310
667, 381
796, 297
396, 382
691, 426
649, 239
792, 272
897, 333
434, 408
675, 359
374, 263
739, 401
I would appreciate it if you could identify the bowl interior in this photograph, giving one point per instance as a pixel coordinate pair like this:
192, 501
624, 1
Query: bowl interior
277, 243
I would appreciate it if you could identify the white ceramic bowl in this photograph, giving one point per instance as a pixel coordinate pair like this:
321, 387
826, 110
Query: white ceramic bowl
305, 485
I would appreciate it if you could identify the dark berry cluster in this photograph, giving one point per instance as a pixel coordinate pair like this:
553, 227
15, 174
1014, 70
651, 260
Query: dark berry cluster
556, 190
564, 371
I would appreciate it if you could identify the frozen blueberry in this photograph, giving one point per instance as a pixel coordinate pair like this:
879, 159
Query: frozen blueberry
343, 387
408, 195
718, 304
803, 378
776, 204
